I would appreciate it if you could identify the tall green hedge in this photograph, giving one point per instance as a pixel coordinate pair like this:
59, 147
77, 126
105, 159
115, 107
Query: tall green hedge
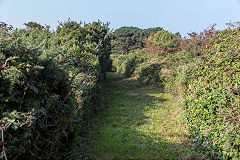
50, 86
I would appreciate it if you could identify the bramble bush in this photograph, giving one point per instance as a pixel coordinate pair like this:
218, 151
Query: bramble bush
180, 63
162, 43
50, 86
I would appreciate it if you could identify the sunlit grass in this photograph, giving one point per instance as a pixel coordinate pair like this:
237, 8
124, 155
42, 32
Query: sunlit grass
139, 123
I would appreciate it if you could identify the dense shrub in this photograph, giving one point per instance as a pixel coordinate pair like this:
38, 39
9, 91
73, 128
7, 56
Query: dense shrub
196, 44
162, 42
180, 72
205, 73
183, 77
126, 64
94, 38
50, 86
144, 67
148, 73
212, 105
180, 64
30, 94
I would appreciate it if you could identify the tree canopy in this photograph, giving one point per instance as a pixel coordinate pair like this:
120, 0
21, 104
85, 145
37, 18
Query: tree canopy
130, 38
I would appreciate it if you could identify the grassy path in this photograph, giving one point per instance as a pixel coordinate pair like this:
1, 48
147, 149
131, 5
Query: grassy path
138, 123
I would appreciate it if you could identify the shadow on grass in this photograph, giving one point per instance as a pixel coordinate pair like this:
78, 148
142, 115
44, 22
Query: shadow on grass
125, 130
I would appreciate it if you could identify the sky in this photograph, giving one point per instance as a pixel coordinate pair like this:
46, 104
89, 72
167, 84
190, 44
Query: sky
173, 15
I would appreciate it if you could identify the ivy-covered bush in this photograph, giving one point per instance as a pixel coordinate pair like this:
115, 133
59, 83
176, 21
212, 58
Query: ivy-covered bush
50, 86
212, 107
205, 74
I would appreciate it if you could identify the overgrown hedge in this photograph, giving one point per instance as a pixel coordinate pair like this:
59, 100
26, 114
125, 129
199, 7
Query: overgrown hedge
212, 107
50, 86
205, 74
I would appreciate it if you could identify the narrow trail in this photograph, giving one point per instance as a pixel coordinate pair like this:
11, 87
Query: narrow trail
138, 123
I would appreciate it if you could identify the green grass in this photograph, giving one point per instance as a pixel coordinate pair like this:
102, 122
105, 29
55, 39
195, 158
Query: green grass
138, 123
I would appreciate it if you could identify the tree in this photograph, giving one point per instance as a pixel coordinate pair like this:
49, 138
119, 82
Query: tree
33, 26
130, 38
6, 27
165, 39
150, 31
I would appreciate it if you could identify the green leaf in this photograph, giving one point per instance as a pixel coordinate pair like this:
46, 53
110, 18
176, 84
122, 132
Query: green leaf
34, 89
43, 111
15, 125
1, 155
